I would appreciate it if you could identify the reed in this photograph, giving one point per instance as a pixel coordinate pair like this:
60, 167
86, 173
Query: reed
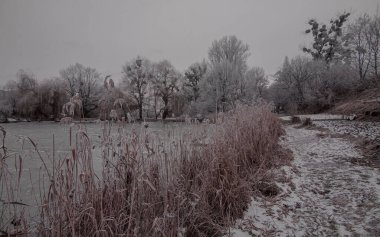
192, 184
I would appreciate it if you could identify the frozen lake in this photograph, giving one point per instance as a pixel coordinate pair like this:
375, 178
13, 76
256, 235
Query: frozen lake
42, 133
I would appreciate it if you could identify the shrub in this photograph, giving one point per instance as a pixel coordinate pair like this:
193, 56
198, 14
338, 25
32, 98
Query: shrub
295, 119
307, 122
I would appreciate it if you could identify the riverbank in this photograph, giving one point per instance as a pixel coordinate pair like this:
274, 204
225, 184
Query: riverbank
330, 189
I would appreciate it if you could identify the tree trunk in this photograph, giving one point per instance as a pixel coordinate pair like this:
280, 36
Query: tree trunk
140, 111
166, 109
155, 107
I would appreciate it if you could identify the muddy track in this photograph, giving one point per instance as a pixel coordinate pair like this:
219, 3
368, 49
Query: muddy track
323, 193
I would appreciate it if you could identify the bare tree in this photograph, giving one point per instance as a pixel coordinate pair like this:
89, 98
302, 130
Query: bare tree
52, 96
293, 78
26, 100
358, 37
299, 75
230, 49
165, 79
224, 84
228, 58
154, 99
364, 38
26, 82
256, 82
86, 82
373, 39
193, 75
136, 75
309, 85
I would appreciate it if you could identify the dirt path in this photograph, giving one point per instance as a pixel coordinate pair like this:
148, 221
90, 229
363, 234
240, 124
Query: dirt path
323, 193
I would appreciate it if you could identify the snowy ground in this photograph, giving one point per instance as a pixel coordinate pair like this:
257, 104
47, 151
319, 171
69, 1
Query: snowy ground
364, 129
323, 193
316, 117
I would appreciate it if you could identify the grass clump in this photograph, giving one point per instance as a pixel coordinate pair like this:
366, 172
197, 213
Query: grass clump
307, 122
295, 119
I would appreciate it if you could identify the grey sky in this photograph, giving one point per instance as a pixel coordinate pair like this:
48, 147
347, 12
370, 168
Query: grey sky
45, 36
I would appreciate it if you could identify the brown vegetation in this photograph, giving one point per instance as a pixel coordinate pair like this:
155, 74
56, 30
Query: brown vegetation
364, 103
147, 189
295, 119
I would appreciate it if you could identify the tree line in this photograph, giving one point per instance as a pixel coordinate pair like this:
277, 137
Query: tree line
147, 89
342, 59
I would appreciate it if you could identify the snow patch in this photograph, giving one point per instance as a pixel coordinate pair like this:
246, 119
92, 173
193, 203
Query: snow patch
326, 194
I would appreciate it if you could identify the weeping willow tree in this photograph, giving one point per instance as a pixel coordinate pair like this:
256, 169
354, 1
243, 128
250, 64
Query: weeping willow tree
113, 103
73, 107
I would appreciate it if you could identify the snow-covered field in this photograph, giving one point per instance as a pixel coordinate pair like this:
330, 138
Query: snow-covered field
368, 130
323, 193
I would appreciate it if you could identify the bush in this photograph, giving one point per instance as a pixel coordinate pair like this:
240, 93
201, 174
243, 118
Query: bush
307, 122
295, 119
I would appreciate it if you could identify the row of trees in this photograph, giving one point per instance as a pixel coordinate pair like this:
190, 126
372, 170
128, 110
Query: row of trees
205, 87
30, 98
147, 89
145, 80
364, 38
344, 60
27, 97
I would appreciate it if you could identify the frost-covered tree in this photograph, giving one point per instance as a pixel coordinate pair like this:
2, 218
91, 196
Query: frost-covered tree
136, 76
193, 75
26, 82
309, 85
153, 100
373, 37
293, 78
165, 81
112, 98
363, 36
86, 82
30, 98
52, 96
357, 38
255, 83
26, 92
228, 57
224, 80
231, 49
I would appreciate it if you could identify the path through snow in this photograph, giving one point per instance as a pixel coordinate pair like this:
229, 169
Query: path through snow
323, 193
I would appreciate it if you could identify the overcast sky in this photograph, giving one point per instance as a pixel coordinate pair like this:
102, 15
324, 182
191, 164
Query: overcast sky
45, 36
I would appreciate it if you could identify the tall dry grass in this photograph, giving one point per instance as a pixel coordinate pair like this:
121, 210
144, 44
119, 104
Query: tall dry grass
186, 186
13, 220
